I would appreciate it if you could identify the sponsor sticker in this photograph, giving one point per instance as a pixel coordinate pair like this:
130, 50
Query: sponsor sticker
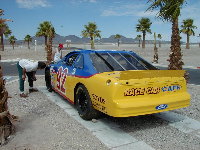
161, 107
151, 90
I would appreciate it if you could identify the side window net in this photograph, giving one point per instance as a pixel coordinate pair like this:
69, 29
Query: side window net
70, 60
79, 62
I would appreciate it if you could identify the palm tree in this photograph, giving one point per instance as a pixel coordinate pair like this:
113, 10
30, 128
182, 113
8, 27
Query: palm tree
51, 35
4, 31
144, 27
160, 37
169, 10
28, 39
6, 125
12, 40
155, 58
47, 30
43, 30
118, 36
91, 32
187, 28
139, 37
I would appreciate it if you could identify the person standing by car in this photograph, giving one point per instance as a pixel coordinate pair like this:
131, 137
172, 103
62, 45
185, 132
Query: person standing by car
57, 55
28, 68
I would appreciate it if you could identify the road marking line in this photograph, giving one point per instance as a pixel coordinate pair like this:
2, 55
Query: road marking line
16, 60
10, 82
106, 131
180, 122
7, 78
194, 84
13, 64
184, 67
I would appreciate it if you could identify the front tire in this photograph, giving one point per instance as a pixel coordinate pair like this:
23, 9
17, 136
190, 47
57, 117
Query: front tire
48, 79
84, 104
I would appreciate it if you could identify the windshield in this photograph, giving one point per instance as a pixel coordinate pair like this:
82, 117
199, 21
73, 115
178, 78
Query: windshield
109, 61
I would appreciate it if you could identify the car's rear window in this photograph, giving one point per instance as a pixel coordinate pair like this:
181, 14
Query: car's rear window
106, 62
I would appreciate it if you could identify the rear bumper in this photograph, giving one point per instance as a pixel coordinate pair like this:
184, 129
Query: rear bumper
127, 108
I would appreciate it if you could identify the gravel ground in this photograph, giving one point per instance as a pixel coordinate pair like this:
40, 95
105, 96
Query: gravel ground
193, 111
43, 125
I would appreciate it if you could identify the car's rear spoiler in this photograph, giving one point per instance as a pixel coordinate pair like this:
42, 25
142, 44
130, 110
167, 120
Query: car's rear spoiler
139, 74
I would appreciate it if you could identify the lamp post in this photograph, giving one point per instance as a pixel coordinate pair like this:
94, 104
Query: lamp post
199, 42
35, 45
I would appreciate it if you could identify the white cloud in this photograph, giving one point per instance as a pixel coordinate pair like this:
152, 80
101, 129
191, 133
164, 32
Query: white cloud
128, 10
91, 1
83, 1
146, 13
29, 4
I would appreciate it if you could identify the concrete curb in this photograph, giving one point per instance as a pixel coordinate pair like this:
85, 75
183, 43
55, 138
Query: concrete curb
184, 67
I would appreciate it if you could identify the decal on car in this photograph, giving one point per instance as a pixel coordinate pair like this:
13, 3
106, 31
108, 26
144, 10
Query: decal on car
171, 88
74, 71
98, 102
98, 98
161, 107
150, 90
141, 91
99, 106
61, 78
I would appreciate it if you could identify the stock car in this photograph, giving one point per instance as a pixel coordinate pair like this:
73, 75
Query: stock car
116, 83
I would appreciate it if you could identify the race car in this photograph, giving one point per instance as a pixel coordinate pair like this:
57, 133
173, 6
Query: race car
116, 83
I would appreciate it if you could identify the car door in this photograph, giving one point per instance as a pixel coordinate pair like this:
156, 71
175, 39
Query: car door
65, 72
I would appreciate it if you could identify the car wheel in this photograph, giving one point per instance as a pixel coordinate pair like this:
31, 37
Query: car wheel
84, 104
48, 79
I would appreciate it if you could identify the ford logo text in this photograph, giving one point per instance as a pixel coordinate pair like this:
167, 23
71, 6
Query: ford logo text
161, 107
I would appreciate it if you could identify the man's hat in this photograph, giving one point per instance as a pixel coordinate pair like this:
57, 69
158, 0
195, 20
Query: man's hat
60, 45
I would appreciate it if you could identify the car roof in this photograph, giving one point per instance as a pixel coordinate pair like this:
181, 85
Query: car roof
86, 51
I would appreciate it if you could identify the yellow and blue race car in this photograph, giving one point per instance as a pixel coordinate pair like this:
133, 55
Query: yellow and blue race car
116, 83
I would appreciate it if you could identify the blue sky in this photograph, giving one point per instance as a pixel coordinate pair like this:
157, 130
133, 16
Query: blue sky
111, 16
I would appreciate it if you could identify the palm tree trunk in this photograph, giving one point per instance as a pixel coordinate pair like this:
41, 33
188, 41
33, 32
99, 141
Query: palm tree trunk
188, 42
175, 57
28, 45
143, 41
155, 58
139, 44
6, 126
45, 38
49, 50
159, 44
13, 46
2, 44
92, 42
118, 42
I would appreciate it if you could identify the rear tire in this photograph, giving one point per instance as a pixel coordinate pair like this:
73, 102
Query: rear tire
84, 104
